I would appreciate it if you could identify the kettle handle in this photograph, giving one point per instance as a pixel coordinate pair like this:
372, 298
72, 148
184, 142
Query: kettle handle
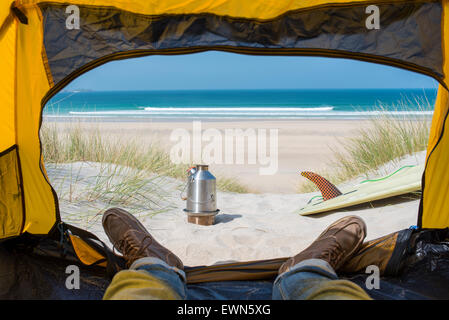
184, 198
185, 186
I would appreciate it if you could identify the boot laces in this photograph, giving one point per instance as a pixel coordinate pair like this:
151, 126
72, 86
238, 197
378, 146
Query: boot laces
129, 249
334, 252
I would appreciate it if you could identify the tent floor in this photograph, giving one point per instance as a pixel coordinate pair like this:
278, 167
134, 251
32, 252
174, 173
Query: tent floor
27, 275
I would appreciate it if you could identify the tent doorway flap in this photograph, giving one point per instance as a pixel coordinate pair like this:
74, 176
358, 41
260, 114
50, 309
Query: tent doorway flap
11, 194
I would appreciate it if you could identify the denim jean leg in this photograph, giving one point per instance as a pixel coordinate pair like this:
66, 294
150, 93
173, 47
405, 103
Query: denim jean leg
315, 279
173, 277
296, 283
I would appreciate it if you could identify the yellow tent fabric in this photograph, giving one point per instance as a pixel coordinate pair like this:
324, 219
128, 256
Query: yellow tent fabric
27, 79
434, 211
8, 30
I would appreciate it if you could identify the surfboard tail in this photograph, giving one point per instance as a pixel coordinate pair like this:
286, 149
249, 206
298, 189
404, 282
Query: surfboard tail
327, 189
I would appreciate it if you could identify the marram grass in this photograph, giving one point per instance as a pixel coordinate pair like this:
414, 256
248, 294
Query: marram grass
388, 137
129, 169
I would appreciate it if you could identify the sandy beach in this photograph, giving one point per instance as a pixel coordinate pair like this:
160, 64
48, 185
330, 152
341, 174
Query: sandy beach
248, 227
262, 224
302, 145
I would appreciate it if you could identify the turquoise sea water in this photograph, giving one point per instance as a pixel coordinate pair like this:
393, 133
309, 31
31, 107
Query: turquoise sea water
246, 104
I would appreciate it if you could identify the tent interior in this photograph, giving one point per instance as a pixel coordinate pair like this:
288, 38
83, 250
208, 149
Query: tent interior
41, 57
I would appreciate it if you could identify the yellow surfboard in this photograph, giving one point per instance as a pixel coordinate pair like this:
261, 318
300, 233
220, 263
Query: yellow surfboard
404, 180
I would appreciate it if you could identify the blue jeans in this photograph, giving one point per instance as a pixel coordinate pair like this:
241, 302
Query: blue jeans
148, 279
152, 278
315, 279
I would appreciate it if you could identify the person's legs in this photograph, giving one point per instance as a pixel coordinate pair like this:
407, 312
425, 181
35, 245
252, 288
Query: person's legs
311, 273
147, 279
154, 271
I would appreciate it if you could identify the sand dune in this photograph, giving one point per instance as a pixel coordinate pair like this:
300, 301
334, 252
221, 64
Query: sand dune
249, 226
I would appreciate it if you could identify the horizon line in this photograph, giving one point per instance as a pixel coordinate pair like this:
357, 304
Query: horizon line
246, 89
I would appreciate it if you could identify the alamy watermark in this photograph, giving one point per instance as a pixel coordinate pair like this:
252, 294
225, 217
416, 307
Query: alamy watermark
228, 146
73, 19
73, 279
373, 280
373, 20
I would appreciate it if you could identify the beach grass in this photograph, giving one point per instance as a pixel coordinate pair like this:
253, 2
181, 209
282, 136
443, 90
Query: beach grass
388, 138
74, 145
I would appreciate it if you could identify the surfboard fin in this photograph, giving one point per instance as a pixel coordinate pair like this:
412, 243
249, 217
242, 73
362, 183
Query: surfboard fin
327, 189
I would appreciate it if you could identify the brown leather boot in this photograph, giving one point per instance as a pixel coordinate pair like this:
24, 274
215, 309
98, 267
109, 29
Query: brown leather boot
133, 241
335, 245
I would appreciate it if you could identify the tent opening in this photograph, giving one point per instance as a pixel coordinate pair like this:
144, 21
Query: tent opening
116, 137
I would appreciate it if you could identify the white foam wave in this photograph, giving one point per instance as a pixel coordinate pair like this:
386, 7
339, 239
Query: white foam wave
247, 112
237, 109
217, 111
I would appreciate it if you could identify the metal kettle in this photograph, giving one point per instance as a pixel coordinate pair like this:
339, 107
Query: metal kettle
201, 200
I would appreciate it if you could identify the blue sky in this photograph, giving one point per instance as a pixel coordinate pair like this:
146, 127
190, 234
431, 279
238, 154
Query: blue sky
220, 70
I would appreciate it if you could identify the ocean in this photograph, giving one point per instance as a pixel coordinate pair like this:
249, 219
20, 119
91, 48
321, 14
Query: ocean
242, 104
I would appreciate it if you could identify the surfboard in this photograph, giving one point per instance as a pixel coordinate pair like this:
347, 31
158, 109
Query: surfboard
404, 180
